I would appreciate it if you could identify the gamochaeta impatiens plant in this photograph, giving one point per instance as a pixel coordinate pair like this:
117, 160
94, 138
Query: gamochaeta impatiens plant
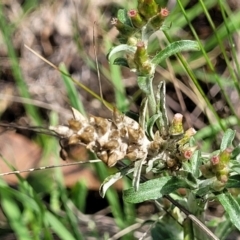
163, 157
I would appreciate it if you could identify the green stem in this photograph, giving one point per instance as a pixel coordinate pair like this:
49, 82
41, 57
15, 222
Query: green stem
145, 84
188, 229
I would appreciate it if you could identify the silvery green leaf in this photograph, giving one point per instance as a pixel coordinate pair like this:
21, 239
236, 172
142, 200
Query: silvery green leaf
193, 164
143, 113
204, 187
137, 173
227, 139
231, 206
124, 18
121, 48
236, 153
150, 124
154, 189
188, 178
143, 83
174, 48
108, 182
233, 182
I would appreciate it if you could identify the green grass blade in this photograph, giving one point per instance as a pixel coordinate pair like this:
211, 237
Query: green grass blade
71, 90
58, 227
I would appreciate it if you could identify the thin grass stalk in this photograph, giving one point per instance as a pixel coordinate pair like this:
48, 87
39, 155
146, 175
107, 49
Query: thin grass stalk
195, 81
223, 51
225, 11
192, 12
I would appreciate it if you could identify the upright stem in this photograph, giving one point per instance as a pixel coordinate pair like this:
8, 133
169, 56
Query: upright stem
188, 229
145, 84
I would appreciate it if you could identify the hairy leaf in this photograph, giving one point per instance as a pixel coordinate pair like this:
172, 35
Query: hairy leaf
150, 124
231, 206
123, 17
236, 153
108, 182
121, 48
174, 48
233, 182
154, 189
193, 164
227, 139
144, 85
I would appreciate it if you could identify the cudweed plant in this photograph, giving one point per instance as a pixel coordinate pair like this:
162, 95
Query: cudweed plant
163, 157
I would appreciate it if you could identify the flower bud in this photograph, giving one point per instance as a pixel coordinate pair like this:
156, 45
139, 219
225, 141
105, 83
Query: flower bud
132, 41
148, 8
141, 59
220, 165
190, 132
222, 160
214, 160
157, 21
136, 18
124, 29
172, 164
218, 186
131, 63
187, 135
225, 156
141, 52
206, 171
222, 175
177, 125
186, 152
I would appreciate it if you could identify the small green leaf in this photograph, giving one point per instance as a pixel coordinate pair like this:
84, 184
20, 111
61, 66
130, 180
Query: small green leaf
143, 113
227, 139
174, 48
121, 62
233, 182
121, 48
148, 190
231, 206
161, 107
151, 122
204, 187
193, 164
154, 189
108, 182
143, 83
235, 167
137, 173
236, 153
123, 17
188, 178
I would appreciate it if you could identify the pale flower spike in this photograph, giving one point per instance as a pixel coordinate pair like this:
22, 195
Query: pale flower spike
121, 138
